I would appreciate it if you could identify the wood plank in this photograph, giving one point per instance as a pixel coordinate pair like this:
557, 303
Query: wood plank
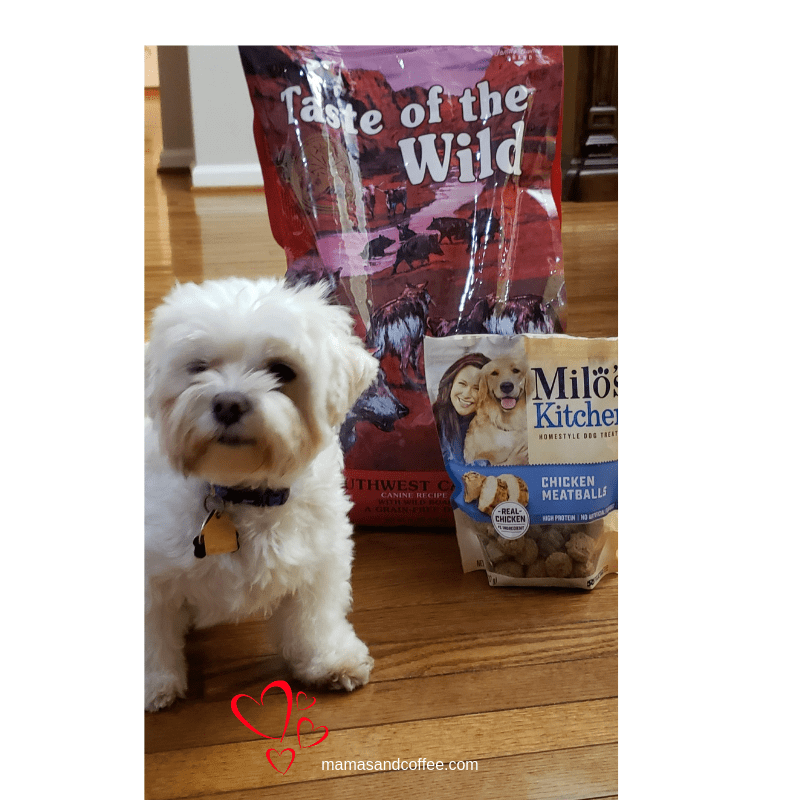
454, 657
499, 610
432, 574
462, 653
212, 722
205, 770
587, 773
589, 238
427, 656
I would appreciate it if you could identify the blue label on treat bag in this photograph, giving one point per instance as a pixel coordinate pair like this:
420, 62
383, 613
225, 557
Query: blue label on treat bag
551, 493
582, 491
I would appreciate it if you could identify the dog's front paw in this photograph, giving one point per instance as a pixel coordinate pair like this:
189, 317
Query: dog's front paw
340, 670
350, 676
162, 690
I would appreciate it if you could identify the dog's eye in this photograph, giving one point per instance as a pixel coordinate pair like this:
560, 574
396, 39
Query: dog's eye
283, 372
196, 367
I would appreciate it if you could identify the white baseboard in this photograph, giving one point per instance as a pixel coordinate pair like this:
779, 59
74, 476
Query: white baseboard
207, 175
176, 157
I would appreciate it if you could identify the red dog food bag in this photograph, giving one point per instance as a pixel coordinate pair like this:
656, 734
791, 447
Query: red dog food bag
423, 184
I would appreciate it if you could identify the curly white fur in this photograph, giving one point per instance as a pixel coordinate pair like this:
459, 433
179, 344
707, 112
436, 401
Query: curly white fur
291, 360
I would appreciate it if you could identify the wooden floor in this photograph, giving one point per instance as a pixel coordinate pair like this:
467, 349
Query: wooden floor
516, 687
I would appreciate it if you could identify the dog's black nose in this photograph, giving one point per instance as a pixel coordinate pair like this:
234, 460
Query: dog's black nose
229, 407
506, 387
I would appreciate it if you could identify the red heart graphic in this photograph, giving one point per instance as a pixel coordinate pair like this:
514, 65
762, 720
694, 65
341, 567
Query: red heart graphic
313, 730
286, 690
313, 700
272, 763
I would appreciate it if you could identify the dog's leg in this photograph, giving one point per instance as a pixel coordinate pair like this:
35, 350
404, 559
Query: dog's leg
470, 450
318, 640
416, 352
166, 623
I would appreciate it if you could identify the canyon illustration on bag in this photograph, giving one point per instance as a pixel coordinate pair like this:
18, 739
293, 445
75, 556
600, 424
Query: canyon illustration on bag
423, 184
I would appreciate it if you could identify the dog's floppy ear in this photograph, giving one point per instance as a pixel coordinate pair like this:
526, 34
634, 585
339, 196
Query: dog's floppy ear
528, 382
359, 372
352, 368
483, 386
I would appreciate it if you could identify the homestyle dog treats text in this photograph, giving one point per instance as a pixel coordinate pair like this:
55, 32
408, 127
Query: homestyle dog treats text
533, 454
410, 180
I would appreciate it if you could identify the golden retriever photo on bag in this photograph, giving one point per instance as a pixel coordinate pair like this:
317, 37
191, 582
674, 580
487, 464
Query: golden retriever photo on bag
498, 434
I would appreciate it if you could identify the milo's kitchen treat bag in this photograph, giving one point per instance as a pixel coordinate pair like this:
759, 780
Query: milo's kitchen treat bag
422, 183
528, 430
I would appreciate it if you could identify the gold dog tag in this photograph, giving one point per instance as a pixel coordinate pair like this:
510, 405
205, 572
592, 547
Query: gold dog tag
219, 534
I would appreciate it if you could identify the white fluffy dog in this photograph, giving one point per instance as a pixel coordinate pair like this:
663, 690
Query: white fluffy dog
247, 383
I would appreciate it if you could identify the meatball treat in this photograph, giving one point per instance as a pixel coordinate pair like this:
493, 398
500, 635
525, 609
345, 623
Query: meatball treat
547, 552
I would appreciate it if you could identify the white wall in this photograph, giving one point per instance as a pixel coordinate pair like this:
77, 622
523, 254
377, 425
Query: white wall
222, 119
150, 66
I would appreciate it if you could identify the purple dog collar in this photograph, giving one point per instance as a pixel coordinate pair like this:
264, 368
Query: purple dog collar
251, 497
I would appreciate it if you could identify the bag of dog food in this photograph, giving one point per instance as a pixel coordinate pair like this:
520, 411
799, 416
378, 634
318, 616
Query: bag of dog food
423, 184
528, 430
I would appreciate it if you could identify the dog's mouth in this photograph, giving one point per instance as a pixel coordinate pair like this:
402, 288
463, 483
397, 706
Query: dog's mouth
232, 440
508, 403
